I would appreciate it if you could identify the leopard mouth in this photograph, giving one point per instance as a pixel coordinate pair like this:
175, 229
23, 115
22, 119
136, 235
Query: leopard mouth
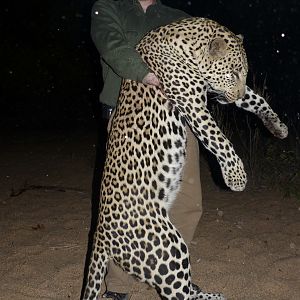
218, 95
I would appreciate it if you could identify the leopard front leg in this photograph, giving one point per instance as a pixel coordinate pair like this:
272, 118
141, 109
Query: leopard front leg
208, 132
259, 106
187, 93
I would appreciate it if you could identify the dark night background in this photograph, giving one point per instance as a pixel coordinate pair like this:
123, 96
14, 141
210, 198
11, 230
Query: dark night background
50, 72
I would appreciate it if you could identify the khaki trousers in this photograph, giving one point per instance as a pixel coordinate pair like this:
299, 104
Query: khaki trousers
184, 214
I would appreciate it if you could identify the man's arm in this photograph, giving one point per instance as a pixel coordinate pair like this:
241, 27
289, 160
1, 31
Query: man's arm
110, 40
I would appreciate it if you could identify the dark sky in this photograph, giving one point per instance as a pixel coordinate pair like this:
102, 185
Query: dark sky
50, 73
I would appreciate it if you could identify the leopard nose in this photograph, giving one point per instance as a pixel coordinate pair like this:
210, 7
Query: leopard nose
242, 92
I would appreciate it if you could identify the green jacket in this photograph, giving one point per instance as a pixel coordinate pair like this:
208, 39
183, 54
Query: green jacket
116, 28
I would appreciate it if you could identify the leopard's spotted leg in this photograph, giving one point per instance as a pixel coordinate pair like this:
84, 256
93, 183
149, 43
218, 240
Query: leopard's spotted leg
97, 270
116, 296
194, 110
197, 293
258, 105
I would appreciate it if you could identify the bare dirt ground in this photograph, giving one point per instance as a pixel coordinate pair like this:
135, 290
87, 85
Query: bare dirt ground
246, 245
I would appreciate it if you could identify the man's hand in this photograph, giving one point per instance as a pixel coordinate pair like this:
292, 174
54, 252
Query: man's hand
151, 79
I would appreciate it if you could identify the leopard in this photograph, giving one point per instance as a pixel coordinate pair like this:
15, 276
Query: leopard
146, 149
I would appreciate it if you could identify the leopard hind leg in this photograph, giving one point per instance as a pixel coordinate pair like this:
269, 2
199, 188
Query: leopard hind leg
197, 294
96, 273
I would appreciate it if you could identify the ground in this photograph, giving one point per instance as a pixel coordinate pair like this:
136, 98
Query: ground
246, 245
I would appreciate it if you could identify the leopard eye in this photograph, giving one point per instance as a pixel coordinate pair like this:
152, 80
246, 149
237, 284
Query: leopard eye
235, 75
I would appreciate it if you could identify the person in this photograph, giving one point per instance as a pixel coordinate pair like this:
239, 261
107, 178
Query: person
116, 28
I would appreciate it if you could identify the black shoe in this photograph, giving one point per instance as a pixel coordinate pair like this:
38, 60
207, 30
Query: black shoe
115, 296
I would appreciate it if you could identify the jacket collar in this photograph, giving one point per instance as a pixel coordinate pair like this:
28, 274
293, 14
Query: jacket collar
136, 3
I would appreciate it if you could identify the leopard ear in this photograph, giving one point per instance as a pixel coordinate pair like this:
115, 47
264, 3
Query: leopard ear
218, 48
240, 36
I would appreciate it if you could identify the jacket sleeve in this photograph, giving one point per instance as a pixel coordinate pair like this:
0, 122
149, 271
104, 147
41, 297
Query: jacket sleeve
182, 14
111, 42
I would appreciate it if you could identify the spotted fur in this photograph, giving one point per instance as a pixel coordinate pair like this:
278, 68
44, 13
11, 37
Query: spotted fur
146, 152
257, 105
